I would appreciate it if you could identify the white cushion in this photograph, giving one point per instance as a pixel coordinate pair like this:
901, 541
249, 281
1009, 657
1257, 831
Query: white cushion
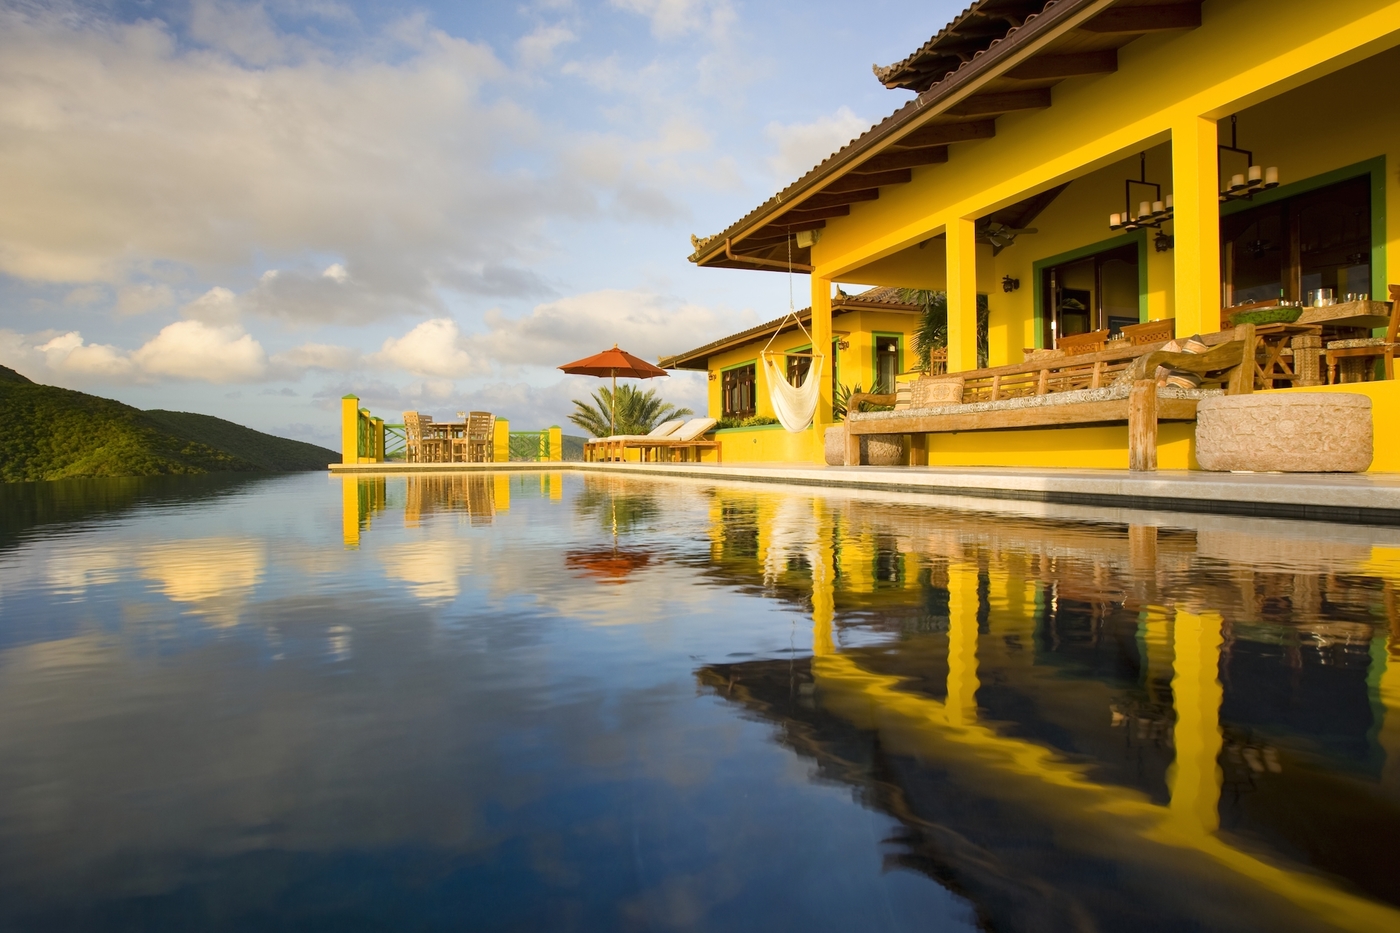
666, 428
693, 429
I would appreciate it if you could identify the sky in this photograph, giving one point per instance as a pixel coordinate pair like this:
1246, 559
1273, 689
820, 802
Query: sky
250, 209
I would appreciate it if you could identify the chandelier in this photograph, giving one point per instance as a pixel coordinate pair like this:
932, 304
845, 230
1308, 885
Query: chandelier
1150, 213
1253, 180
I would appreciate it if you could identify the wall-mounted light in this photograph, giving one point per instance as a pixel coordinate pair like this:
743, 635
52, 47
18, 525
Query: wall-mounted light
806, 239
713, 377
1163, 241
843, 344
1008, 284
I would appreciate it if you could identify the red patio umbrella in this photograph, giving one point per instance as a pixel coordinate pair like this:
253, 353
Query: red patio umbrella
614, 363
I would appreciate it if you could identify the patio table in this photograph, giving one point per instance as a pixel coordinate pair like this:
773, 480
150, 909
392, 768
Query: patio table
1272, 361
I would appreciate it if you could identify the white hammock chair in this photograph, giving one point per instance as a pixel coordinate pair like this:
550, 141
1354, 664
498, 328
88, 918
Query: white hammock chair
794, 405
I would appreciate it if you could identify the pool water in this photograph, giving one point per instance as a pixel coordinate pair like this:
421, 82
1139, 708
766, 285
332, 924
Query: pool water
581, 702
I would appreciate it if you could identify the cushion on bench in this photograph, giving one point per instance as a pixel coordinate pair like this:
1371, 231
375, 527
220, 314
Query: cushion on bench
1118, 390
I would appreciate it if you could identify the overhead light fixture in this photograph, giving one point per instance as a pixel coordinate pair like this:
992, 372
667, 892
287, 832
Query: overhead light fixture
1150, 213
1008, 284
806, 239
1244, 185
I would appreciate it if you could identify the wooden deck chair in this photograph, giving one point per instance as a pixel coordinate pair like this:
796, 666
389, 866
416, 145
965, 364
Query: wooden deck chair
1357, 358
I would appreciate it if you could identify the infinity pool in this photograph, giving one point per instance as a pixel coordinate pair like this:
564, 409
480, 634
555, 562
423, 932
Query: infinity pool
579, 702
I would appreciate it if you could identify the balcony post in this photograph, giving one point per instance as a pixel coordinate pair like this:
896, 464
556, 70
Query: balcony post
962, 295
1196, 226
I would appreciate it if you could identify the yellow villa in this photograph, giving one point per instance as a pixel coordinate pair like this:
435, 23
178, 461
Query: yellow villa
1088, 166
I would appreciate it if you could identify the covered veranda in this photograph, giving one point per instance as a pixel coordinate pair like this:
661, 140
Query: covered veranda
1030, 121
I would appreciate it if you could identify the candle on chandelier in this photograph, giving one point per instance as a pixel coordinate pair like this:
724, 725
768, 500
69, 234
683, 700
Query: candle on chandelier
1168, 202
1271, 175
1115, 219
1144, 209
1236, 181
1255, 173
1158, 207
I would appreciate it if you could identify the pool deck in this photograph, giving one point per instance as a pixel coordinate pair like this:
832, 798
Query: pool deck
1366, 498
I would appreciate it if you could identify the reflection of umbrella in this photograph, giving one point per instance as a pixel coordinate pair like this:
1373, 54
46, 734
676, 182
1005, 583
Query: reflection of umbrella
614, 363
608, 565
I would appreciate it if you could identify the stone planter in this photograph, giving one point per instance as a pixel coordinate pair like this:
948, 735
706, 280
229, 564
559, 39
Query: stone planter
875, 449
836, 445
882, 449
1292, 432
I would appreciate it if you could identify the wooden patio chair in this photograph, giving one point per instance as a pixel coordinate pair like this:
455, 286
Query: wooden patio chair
1092, 342
479, 437
1150, 331
1357, 358
420, 446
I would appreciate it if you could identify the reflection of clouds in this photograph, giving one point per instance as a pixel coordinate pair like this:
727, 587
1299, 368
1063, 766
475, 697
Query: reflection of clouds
72, 570
215, 575
432, 569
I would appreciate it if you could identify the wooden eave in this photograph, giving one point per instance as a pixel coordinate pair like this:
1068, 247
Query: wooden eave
1014, 71
699, 358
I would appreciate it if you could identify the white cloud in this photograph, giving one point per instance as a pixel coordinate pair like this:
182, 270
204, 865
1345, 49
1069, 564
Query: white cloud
671, 19
801, 146
537, 49
143, 298
69, 355
195, 350
125, 148
327, 357
430, 349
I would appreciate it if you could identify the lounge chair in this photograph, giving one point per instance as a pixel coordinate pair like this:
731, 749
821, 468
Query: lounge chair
612, 448
690, 437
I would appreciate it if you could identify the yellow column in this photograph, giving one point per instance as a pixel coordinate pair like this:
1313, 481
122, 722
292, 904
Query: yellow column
821, 344
962, 295
500, 444
349, 429
1196, 191
1194, 778
962, 644
556, 443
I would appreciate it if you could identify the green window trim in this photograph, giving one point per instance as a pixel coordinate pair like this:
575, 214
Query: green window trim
1084, 252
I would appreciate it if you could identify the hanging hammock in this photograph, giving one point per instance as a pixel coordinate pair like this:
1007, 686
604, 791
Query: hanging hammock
794, 405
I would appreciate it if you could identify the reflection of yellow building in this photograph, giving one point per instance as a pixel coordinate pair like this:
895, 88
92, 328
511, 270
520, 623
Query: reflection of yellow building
1033, 125
1004, 577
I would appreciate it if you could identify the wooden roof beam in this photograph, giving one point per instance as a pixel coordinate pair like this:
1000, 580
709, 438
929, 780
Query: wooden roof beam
1054, 67
940, 134
984, 105
1143, 19
903, 158
778, 230
845, 197
855, 182
800, 214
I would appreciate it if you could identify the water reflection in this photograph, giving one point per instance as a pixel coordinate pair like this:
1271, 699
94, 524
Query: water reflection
1226, 690
311, 698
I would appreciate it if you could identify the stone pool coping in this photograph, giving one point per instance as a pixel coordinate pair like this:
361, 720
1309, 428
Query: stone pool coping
1363, 498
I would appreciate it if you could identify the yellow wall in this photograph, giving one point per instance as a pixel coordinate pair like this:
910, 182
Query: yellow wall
770, 443
1090, 447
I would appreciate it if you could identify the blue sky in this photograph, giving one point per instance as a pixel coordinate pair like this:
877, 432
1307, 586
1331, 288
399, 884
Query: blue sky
249, 209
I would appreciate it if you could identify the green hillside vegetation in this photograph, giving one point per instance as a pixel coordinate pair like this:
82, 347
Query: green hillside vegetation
51, 433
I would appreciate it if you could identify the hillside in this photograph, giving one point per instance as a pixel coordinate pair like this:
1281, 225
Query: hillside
54, 433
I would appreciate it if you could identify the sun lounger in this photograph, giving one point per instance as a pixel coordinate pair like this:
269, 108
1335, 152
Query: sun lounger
689, 438
611, 448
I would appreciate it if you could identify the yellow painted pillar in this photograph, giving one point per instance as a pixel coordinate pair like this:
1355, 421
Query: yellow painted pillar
500, 444
350, 511
556, 443
1196, 191
349, 429
377, 432
962, 644
821, 344
962, 295
1194, 778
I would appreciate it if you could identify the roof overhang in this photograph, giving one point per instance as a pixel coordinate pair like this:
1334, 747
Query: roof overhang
1016, 72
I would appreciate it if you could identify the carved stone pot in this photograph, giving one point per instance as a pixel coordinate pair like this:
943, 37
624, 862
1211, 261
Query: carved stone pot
1288, 432
875, 449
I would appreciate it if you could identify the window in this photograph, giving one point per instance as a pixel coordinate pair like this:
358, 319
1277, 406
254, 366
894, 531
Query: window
738, 392
797, 369
886, 362
1093, 293
1320, 239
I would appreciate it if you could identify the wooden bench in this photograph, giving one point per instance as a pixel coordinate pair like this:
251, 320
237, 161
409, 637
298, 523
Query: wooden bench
1140, 406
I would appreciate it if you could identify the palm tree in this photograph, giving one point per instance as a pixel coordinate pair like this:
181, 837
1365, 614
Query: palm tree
933, 324
637, 411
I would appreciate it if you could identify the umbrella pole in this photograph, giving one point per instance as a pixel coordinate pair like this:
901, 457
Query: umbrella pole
612, 422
